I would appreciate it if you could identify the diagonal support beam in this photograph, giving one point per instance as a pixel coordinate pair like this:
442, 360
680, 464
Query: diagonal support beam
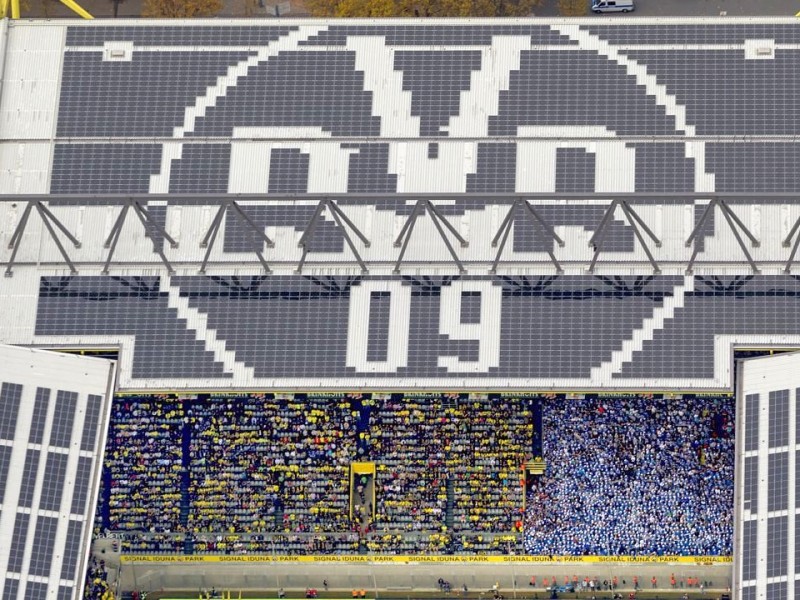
405, 234
343, 222
788, 268
734, 222
45, 212
545, 225
505, 230
634, 223
600, 233
409, 224
20, 228
730, 219
113, 237
49, 220
248, 222
438, 221
312, 225
788, 241
443, 235
137, 209
150, 227
211, 235
438, 215
726, 209
630, 212
507, 224
700, 223
58, 243
148, 222
257, 237
254, 232
336, 209
338, 219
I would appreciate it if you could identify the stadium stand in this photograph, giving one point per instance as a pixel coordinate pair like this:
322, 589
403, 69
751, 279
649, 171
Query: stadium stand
625, 475
143, 465
257, 466
630, 476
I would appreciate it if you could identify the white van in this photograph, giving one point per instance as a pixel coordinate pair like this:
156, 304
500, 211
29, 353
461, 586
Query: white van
601, 6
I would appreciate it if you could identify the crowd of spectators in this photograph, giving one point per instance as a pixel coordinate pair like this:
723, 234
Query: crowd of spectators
486, 458
410, 437
152, 543
240, 543
260, 465
637, 475
476, 445
266, 474
143, 460
97, 586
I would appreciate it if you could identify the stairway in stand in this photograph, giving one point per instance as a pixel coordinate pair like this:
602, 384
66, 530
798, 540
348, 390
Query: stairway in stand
186, 501
449, 515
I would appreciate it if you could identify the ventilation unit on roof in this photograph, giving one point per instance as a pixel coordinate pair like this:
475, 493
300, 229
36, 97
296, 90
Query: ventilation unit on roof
759, 49
118, 51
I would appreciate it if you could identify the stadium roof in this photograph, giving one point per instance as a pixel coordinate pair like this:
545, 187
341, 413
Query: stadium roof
529, 203
54, 411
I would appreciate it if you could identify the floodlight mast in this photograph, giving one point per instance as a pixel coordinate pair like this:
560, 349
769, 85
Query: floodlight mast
15, 12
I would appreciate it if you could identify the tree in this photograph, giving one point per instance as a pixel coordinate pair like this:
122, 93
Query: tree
420, 8
572, 8
181, 9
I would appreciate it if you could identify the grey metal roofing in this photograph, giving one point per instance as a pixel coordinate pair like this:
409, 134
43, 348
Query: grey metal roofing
379, 160
767, 470
54, 411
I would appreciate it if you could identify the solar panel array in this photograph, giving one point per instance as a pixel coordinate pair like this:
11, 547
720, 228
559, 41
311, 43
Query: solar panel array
451, 107
446, 329
51, 444
767, 530
422, 82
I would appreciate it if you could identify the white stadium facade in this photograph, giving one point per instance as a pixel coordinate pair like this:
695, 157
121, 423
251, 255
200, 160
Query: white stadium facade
534, 205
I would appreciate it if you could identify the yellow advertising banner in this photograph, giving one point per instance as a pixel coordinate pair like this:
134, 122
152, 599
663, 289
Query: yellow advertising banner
408, 559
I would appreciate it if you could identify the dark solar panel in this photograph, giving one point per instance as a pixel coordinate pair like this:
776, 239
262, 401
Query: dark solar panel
10, 394
750, 487
63, 418
35, 591
778, 482
53, 482
10, 588
72, 551
39, 418
749, 550
5, 459
258, 35
778, 418
751, 417
94, 404
43, 546
29, 472
17, 543
81, 489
